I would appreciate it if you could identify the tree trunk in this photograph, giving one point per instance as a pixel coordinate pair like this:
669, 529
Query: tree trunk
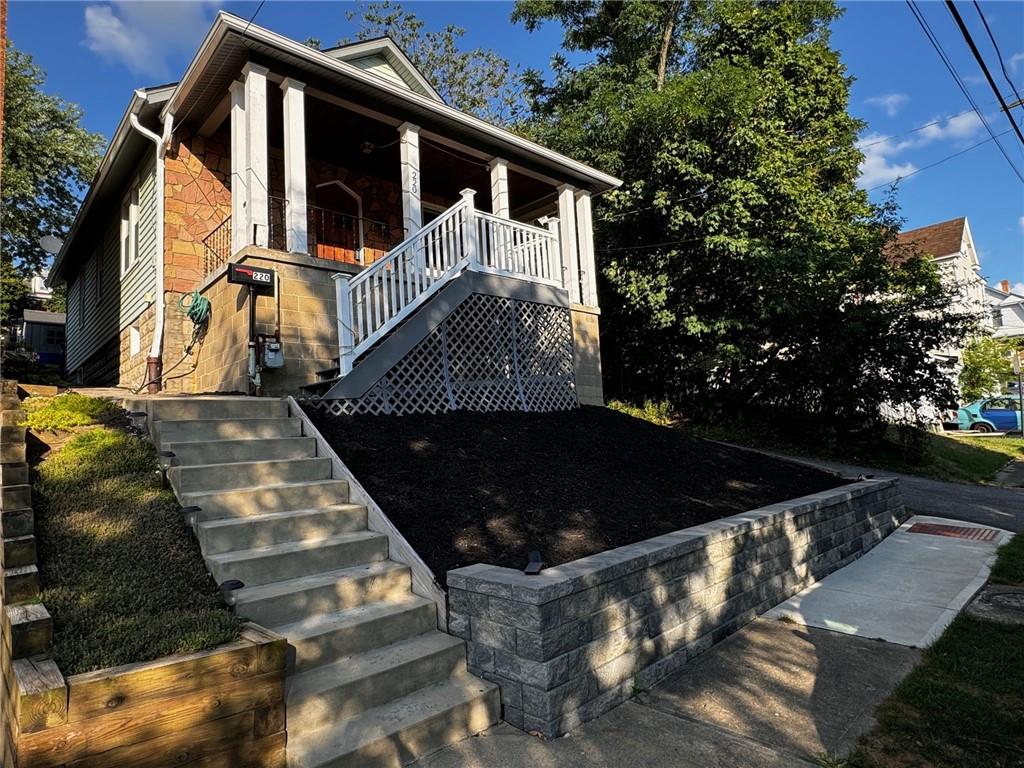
666, 42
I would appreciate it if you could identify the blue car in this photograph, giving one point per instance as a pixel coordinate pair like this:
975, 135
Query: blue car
990, 414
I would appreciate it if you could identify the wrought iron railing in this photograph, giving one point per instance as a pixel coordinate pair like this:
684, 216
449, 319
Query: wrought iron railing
334, 235
217, 247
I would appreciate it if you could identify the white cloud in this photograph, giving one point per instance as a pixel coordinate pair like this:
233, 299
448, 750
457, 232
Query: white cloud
1015, 61
1018, 288
144, 35
1020, 221
890, 102
880, 164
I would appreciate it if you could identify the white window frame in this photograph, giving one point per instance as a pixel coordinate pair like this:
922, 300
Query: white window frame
130, 229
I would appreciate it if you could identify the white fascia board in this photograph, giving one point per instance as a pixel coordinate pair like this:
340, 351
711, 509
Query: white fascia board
394, 55
123, 130
226, 22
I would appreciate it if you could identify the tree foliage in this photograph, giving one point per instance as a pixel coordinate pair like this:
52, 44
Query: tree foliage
744, 271
478, 81
48, 160
987, 366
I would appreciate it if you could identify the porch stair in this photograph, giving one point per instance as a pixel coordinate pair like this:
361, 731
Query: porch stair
371, 680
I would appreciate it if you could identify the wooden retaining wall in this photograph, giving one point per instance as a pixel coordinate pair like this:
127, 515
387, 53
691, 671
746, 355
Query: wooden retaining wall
221, 708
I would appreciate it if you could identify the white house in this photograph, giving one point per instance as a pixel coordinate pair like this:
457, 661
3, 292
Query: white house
1007, 311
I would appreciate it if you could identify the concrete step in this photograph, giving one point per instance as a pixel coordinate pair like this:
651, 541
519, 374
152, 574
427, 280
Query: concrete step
328, 592
246, 474
324, 638
264, 565
401, 731
230, 534
203, 430
355, 684
266, 498
179, 408
224, 451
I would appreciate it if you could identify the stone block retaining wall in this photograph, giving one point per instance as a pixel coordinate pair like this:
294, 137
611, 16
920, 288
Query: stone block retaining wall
577, 640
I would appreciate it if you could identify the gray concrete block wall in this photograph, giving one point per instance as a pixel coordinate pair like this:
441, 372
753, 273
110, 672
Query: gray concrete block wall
571, 643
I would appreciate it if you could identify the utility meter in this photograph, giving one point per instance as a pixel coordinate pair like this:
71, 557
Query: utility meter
272, 355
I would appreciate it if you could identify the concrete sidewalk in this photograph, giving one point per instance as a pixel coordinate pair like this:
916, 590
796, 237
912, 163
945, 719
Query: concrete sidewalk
906, 590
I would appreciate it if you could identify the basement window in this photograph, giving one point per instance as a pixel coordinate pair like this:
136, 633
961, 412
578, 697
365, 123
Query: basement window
134, 341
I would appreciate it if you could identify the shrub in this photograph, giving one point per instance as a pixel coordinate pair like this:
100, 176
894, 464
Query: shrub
654, 412
66, 411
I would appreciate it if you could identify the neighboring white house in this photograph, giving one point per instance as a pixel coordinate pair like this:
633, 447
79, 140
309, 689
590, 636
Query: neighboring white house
950, 245
1007, 311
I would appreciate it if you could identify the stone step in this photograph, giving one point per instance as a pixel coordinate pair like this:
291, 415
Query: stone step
324, 638
328, 592
230, 534
263, 565
245, 474
266, 498
355, 684
188, 454
179, 408
203, 430
401, 731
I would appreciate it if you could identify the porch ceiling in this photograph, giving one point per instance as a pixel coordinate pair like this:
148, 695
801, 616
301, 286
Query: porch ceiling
231, 43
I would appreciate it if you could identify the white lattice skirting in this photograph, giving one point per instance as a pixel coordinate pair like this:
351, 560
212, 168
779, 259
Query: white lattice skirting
491, 354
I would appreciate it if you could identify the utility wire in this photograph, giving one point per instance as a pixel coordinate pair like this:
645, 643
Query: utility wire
959, 82
984, 67
999, 54
937, 162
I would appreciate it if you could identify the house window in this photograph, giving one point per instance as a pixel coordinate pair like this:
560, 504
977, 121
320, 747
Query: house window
55, 337
130, 228
997, 319
134, 341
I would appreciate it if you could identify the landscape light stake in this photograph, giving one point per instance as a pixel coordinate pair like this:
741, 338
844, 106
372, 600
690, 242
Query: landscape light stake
229, 586
190, 514
166, 459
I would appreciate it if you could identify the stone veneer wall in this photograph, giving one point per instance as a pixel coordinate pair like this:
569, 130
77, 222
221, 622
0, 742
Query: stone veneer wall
587, 341
576, 640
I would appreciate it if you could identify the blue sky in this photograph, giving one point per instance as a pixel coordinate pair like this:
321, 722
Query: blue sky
95, 53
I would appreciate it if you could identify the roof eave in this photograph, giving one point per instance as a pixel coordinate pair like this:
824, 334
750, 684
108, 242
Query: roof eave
225, 23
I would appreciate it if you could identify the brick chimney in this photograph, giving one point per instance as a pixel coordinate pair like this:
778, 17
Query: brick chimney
1004, 286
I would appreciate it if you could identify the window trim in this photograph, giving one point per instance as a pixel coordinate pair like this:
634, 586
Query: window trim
130, 227
97, 272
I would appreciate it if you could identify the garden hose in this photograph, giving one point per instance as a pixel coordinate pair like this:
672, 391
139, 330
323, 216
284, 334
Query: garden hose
197, 309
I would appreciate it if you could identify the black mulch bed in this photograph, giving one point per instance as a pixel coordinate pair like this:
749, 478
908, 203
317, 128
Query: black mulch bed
468, 488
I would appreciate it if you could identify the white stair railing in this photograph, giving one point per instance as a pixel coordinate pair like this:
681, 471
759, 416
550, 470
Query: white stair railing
380, 297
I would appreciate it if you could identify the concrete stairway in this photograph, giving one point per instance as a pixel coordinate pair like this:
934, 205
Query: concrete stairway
372, 682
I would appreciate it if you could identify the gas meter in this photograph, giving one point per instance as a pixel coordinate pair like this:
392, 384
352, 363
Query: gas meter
272, 355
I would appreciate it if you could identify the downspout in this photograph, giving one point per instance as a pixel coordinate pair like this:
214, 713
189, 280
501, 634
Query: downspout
154, 362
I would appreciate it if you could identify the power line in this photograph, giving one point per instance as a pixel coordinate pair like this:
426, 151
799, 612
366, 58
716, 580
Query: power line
937, 162
915, 130
959, 82
984, 67
253, 17
999, 54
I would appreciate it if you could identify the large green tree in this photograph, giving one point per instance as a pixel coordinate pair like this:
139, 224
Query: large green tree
48, 160
744, 270
477, 80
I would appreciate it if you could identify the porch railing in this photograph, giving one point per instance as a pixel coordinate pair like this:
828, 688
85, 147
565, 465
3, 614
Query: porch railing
380, 297
217, 247
333, 235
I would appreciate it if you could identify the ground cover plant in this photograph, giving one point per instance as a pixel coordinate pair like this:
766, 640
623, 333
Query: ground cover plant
474, 487
66, 411
120, 576
963, 705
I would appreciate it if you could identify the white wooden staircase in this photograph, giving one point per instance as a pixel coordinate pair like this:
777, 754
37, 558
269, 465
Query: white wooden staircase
372, 682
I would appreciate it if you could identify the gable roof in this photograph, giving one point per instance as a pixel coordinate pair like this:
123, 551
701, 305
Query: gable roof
937, 240
381, 56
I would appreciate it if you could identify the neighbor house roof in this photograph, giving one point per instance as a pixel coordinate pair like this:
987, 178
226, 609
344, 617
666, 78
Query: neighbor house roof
937, 240
45, 318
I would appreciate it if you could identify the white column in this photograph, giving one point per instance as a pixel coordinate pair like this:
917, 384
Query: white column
412, 209
258, 178
240, 227
295, 164
499, 187
567, 241
588, 264
471, 245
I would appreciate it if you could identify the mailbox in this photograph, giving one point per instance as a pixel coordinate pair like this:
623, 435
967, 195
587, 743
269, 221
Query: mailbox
256, 277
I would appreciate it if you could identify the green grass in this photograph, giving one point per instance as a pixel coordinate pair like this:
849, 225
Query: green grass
120, 575
1009, 567
652, 411
963, 705
66, 411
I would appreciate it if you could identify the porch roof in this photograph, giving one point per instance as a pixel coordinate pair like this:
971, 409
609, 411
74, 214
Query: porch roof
232, 41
